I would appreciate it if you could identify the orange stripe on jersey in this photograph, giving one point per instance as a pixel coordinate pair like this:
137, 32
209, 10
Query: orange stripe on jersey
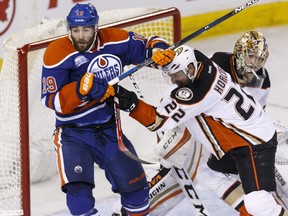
144, 113
226, 138
57, 51
111, 34
254, 168
68, 98
59, 155
200, 69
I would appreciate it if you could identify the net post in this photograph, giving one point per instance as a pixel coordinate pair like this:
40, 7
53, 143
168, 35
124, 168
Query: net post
24, 129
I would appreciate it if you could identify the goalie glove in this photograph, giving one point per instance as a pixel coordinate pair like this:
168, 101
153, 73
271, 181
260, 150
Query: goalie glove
128, 100
163, 57
92, 87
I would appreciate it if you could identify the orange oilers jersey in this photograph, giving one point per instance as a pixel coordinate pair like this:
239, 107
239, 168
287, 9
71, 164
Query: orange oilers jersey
214, 108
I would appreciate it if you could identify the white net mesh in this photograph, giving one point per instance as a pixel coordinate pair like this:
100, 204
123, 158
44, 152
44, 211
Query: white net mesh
41, 120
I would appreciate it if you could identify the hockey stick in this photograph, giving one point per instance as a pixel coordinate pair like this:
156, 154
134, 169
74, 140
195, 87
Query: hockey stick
189, 190
121, 144
186, 39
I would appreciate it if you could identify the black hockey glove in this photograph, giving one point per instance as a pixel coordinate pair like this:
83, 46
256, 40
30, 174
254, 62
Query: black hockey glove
128, 100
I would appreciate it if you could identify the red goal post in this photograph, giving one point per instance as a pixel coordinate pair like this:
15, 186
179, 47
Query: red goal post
18, 93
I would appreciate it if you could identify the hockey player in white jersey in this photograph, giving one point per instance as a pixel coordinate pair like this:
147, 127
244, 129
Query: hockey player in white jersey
228, 120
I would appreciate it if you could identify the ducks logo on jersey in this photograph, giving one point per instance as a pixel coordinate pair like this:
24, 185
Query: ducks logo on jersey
184, 94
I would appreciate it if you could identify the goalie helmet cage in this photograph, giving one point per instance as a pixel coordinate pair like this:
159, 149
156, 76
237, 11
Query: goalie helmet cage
14, 151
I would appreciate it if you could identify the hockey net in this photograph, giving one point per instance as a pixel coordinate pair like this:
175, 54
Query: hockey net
26, 149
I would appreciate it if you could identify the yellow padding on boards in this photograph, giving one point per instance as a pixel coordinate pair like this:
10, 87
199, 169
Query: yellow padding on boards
258, 15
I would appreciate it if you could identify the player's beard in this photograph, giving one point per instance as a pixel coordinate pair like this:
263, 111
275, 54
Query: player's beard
83, 45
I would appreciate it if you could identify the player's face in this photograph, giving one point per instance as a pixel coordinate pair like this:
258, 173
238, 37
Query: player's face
179, 78
82, 37
182, 79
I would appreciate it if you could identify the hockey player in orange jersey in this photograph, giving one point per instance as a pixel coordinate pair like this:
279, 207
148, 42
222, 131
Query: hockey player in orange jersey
228, 120
85, 125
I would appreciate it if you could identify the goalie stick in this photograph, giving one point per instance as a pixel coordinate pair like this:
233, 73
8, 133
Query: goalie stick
186, 39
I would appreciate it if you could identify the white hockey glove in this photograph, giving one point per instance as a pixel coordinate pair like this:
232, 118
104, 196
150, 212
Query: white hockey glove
172, 149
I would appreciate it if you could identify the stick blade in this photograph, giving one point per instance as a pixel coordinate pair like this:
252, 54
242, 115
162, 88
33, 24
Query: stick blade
135, 158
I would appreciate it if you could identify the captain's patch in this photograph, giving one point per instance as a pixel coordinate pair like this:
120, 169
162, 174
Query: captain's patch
184, 94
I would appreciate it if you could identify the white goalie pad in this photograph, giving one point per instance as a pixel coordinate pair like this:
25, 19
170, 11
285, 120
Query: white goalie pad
281, 163
165, 191
173, 146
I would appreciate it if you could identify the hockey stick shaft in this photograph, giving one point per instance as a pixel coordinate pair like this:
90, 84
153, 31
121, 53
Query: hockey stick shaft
186, 39
121, 144
188, 189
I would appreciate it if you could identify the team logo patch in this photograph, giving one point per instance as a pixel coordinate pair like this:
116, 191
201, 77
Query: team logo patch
184, 94
78, 169
79, 60
106, 66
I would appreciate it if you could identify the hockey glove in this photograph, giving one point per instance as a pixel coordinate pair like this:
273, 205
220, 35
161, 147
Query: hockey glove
94, 88
163, 57
128, 100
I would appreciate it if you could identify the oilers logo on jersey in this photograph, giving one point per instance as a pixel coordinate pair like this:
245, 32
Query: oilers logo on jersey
106, 66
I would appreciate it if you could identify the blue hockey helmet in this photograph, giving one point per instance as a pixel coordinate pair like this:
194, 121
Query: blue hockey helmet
83, 15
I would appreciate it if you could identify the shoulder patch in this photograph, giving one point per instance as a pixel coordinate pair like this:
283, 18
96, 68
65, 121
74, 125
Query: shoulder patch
184, 94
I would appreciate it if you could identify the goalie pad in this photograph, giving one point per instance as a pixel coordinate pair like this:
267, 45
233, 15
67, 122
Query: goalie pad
165, 192
281, 165
173, 146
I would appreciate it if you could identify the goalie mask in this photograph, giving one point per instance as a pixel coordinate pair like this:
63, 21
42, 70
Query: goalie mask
184, 56
251, 53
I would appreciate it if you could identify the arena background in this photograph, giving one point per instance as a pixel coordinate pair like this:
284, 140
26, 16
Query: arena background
16, 15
